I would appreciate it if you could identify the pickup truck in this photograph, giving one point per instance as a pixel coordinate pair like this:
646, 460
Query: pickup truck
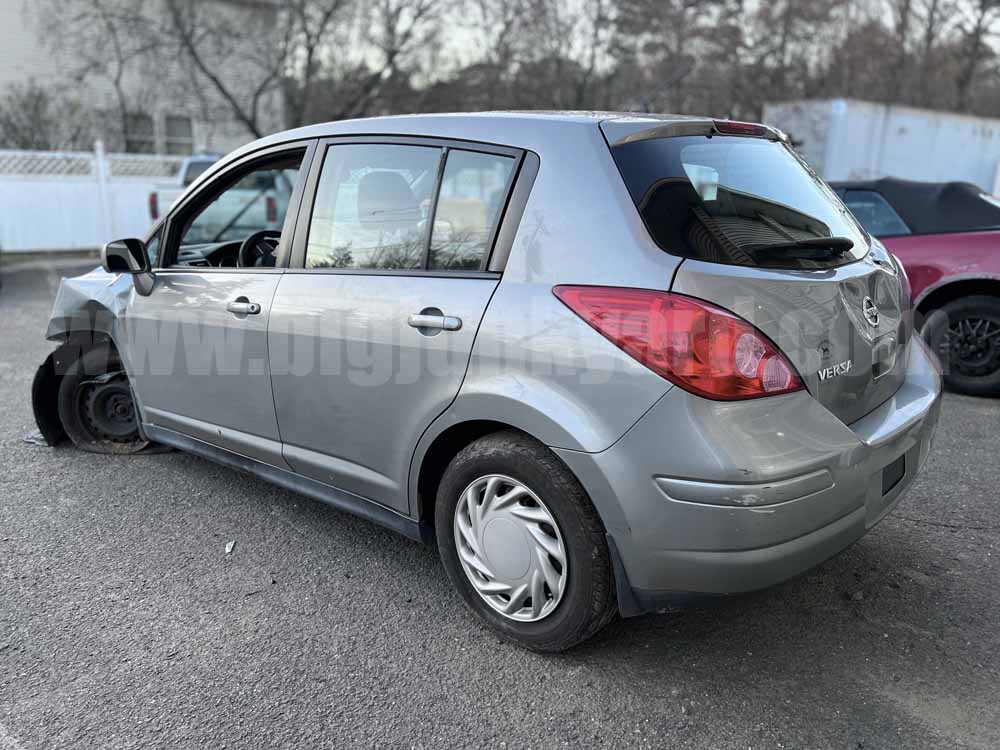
257, 202
191, 169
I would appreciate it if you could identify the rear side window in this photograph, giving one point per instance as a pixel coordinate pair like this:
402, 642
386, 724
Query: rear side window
473, 189
738, 200
875, 213
371, 207
406, 207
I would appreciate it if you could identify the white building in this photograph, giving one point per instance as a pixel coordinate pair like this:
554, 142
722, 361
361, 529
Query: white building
166, 109
847, 139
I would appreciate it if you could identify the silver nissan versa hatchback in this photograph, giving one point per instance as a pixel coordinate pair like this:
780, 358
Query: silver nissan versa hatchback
609, 363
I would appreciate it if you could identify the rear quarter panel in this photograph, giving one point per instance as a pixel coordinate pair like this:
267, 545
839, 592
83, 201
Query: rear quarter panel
535, 363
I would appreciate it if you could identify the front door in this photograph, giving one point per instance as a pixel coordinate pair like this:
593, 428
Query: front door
196, 346
373, 323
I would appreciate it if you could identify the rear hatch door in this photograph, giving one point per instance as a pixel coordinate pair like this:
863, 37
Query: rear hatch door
764, 237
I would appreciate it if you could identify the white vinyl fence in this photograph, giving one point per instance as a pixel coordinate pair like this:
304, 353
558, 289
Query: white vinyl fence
68, 200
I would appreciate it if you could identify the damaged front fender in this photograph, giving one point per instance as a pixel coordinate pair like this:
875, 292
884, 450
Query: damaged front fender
87, 312
93, 304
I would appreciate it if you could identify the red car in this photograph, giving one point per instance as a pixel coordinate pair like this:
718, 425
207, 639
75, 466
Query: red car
947, 235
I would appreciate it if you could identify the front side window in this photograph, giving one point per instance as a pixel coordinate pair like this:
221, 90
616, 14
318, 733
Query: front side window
473, 189
372, 206
875, 213
738, 200
153, 248
237, 205
257, 201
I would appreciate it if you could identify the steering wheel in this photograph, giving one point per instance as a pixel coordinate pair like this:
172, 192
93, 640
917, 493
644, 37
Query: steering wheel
258, 249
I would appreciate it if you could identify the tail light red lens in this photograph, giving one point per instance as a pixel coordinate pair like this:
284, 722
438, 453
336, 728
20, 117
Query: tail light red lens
702, 348
154, 206
272, 210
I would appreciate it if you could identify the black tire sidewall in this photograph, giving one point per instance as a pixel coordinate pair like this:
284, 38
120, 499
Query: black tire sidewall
567, 624
985, 385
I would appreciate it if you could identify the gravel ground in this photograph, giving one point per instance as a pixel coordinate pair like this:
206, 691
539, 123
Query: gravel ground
124, 623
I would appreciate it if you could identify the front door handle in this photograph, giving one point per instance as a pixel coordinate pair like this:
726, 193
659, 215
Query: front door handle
435, 322
243, 306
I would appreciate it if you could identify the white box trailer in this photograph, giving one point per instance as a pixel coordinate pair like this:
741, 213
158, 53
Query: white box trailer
847, 139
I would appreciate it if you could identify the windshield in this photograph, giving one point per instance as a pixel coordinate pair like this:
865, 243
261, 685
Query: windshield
743, 201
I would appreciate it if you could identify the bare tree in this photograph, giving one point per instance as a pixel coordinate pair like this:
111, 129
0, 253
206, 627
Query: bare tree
313, 23
212, 39
33, 117
935, 22
903, 18
109, 38
977, 29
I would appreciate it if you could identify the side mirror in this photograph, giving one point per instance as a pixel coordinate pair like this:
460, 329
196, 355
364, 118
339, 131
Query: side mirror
125, 256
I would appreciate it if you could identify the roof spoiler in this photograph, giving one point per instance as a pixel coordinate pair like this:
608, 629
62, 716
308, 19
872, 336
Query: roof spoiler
629, 130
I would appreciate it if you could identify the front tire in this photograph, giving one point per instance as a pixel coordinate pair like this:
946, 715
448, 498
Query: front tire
96, 406
523, 544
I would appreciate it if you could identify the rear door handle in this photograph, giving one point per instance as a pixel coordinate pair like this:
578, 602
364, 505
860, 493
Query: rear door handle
438, 322
243, 306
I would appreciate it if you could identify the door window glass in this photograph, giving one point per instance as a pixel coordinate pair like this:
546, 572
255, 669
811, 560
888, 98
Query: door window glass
875, 213
258, 200
153, 248
371, 207
473, 189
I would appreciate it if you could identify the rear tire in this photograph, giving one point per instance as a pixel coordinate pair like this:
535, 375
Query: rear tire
965, 334
578, 597
96, 406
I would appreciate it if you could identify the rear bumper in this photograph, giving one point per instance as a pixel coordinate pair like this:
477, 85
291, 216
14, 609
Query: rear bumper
704, 497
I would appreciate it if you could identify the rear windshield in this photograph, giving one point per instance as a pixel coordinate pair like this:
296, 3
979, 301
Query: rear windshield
743, 201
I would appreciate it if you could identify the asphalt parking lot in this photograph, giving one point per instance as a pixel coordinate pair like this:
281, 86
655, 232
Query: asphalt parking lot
124, 622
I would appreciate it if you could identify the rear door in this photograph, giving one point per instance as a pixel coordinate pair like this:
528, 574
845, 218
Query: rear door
766, 238
372, 326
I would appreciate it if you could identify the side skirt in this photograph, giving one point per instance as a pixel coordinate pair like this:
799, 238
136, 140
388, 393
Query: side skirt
339, 499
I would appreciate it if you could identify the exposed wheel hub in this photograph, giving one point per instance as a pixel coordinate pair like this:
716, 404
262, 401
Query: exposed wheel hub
107, 406
511, 548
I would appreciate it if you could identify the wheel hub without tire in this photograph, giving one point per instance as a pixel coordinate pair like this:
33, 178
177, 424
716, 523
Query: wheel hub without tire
511, 548
107, 406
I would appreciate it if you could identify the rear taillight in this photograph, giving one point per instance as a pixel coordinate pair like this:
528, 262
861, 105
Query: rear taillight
696, 345
154, 206
272, 209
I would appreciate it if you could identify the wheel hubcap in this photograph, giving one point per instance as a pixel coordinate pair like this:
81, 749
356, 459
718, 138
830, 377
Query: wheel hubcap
511, 548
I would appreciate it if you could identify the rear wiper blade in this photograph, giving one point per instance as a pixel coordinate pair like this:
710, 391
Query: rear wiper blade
814, 248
